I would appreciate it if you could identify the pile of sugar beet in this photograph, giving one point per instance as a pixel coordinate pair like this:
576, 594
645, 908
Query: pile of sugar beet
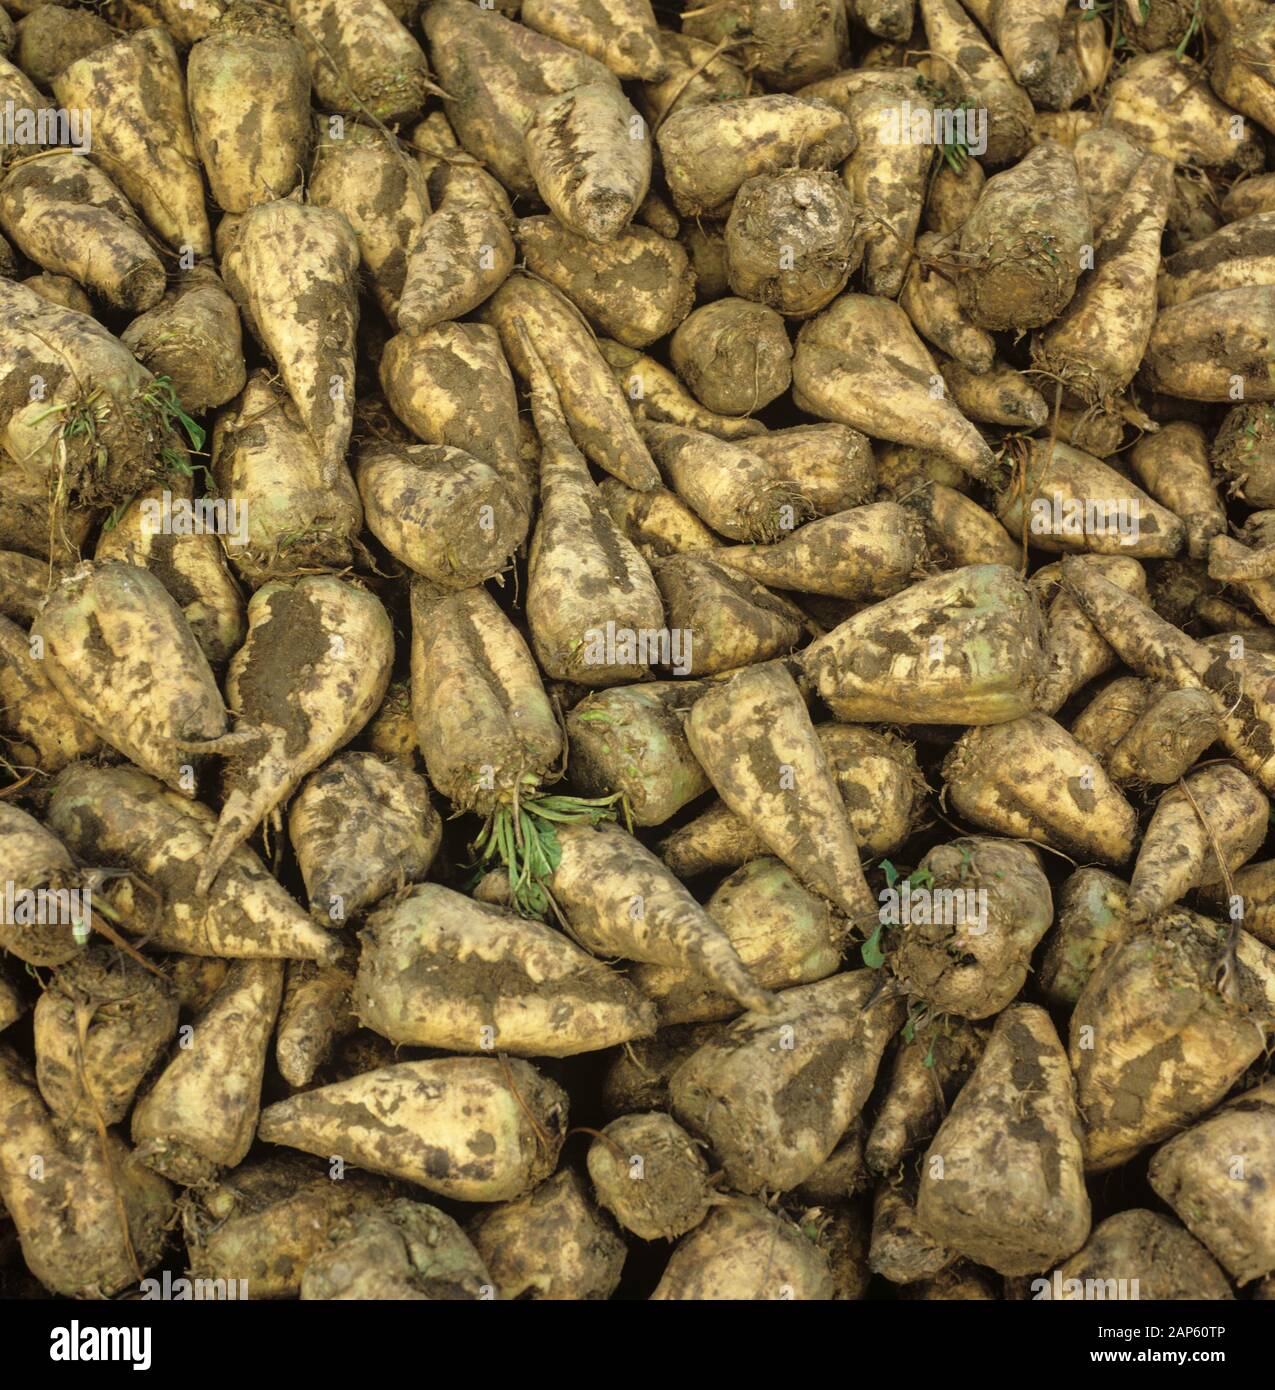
637, 650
